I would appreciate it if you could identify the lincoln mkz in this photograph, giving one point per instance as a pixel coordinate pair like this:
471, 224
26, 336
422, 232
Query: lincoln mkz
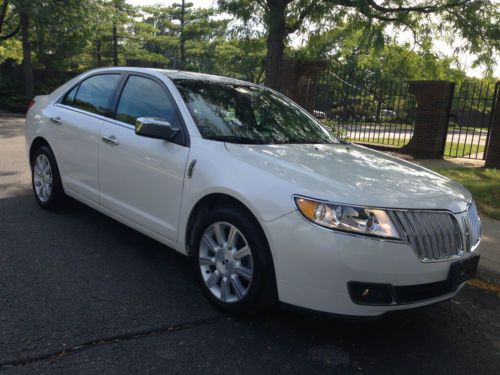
270, 206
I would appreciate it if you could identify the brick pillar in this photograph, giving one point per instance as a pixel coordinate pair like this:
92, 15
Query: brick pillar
431, 118
493, 147
299, 81
288, 79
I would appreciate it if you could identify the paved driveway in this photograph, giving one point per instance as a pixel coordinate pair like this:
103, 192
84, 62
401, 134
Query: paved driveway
80, 292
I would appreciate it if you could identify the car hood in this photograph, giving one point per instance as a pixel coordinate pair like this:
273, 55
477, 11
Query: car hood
352, 174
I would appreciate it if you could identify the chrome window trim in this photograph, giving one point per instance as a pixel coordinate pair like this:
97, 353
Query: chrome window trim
99, 117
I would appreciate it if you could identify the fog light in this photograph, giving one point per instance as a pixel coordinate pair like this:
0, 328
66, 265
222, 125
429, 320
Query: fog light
370, 293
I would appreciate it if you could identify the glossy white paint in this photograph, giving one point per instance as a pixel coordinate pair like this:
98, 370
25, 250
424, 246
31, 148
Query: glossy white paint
354, 174
142, 182
131, 173
335, 258
77, 142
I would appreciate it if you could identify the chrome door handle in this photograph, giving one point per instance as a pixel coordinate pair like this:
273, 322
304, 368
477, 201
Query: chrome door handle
110, 140
56, 120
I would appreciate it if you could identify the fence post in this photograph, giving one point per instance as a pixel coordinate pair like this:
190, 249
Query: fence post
431, 118
493, 146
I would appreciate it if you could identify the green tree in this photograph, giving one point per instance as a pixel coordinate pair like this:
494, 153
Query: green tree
58, 32
242, 56
187, 36
50, 30
364, 52
476, 21
9, 22
10, 46
112, 21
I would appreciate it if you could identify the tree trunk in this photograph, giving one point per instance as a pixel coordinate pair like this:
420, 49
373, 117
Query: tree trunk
115, 45
28, 67
276, 34
98, 52
183, 40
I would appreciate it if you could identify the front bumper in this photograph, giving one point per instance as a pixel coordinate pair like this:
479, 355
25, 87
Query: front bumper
314, 267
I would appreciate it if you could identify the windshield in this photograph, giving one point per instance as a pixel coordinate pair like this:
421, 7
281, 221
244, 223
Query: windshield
248, 114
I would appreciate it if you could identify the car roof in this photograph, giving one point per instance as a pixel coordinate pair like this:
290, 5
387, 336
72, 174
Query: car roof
180, 74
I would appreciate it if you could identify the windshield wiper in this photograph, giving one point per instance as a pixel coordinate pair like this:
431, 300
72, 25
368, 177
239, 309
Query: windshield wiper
236, 139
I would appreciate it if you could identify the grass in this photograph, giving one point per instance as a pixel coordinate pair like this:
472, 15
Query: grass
462, 149
484, 184
456, 127
396, 142
450, 149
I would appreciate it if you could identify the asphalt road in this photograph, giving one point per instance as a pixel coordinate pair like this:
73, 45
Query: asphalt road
80, 292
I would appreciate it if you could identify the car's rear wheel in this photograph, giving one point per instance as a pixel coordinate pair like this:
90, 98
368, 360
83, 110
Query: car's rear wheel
233, 262
46, 181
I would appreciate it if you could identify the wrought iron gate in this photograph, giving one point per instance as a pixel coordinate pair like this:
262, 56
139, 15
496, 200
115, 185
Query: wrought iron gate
471, 119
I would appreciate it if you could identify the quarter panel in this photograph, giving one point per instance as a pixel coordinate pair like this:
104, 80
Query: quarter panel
37, 124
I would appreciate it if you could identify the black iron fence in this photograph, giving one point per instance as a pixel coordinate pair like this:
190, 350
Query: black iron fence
383, 112
471, 119
368, 111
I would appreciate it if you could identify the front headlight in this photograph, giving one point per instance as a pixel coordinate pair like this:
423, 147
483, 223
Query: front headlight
360, 220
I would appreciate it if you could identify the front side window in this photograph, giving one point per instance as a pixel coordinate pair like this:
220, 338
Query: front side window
143, 97
248, 114
95, 94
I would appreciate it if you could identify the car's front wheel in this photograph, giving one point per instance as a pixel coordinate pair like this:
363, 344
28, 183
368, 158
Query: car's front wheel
46, 180
233, 262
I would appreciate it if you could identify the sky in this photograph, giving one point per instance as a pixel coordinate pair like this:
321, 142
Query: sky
443, 48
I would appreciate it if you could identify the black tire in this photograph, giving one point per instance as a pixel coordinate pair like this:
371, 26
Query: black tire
261, 294
56, 199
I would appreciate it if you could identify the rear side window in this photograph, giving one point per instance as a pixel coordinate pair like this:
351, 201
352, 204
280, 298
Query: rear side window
95, 94
70, 96
143, 97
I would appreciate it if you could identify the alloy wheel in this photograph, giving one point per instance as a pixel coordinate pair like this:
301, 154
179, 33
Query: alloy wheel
42, 178
225, 261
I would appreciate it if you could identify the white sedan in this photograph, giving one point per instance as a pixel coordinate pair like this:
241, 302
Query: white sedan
270, 206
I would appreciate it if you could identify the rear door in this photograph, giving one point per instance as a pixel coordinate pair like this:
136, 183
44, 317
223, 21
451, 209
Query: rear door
77, 121
140, 178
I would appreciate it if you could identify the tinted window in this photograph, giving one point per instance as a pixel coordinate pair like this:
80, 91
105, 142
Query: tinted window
248, 114
95, 93
143, 97
70, 96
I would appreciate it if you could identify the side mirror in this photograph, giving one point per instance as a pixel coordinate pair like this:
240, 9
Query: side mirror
153, 127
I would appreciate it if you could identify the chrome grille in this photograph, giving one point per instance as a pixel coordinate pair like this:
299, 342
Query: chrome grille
433, 235
472, 227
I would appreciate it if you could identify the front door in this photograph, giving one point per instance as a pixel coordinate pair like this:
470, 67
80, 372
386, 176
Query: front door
141, 179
